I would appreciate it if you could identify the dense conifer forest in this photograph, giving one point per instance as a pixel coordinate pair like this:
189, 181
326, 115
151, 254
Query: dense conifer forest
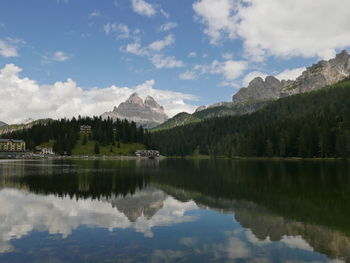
66, 132
315, 124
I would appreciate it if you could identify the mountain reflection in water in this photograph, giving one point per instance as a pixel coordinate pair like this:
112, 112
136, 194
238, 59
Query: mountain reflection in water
174, 210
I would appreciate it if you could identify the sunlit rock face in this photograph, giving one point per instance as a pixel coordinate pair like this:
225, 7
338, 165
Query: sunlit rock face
147, 113
313, 78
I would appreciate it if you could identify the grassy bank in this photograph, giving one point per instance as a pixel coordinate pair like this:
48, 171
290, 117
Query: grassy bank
109, 150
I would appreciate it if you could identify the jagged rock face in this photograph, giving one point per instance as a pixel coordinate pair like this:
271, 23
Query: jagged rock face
315, 77
259, 90
321, 74
200, 108
146, 113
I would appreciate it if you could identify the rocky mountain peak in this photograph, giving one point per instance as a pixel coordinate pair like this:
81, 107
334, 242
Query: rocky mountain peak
146, 113
2, 124
134, 99
315, 77
150, 102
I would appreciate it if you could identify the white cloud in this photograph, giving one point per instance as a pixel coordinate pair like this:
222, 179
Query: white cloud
192, 54
290, 74
136, 49
217, 16
188, 75
161, 44
143, 8
168, 26
230, 69
161, 61
67, 99
227, 56
8, 49
62, 215
122, 30
252, 75
165, 14
304, 28
60, 56
95, 13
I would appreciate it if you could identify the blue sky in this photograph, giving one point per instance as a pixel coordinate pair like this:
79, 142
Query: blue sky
187, 52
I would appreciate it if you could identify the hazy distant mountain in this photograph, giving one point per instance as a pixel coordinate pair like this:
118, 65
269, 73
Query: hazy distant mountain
2, 124
147, 113
23, 125
261, 92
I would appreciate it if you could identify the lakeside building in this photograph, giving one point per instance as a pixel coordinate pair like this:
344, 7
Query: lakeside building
44, 150
85, 129
147, 153
10, 145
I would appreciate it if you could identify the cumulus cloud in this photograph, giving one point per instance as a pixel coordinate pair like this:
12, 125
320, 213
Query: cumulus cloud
161, 61
95, 13
58, 56
192, 54
152, 51
122, 30
161, 44
287, 74
278, 28
290, 74
8, 48
168, 26
23, 212
136, 49
143, 8
188, 75
252, 75
23, 97
229, 69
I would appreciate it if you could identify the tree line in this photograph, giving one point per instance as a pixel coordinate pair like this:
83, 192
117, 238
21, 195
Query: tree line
315, 124
66, 132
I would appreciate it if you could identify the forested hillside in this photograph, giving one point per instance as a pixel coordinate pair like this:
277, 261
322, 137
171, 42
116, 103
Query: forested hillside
65, 133
315, 124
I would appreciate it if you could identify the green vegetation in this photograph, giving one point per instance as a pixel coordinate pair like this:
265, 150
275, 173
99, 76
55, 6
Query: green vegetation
65, 137
315, 124
180, 119
17, 127
124, 149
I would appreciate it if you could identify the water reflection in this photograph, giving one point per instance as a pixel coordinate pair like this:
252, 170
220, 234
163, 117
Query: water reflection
175, 210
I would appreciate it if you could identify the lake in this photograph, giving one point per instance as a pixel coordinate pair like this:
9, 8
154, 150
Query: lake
174, 210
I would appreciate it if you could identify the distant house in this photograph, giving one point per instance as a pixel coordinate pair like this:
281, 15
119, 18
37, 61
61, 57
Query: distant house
147, 153
10, 145
44, 150
85, 129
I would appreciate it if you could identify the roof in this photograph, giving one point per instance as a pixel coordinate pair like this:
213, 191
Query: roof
7, 140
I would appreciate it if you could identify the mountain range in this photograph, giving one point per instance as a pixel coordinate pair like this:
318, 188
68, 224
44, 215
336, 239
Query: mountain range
261, 92
2, 124
146, 113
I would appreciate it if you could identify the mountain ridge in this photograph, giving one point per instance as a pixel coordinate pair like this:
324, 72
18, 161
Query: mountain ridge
146, 113
260, 92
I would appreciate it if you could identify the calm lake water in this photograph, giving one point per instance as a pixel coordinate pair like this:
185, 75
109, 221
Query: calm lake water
174, 211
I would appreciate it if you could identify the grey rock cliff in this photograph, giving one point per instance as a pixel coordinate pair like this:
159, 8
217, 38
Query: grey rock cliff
313, 78
146, 113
